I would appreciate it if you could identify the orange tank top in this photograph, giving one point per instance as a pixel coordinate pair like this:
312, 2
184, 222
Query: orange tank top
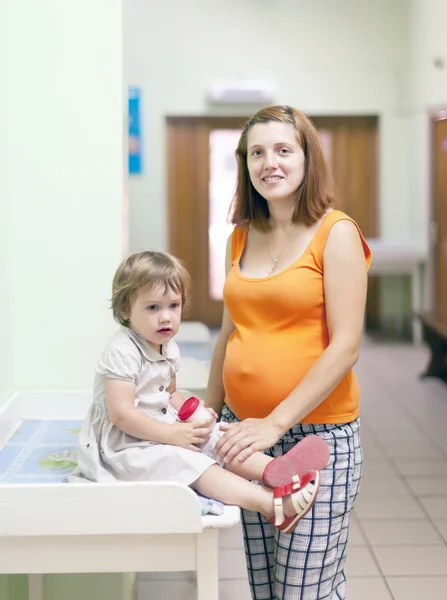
280, 331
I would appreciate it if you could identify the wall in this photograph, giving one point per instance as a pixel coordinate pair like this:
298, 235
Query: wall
5, 299
425, 90
326, 57
65, 145
61, 227
6, 338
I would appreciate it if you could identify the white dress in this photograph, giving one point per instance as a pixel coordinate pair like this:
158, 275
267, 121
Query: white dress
104, 451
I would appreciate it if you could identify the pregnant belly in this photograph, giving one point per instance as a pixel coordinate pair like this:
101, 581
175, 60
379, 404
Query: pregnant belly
257, 381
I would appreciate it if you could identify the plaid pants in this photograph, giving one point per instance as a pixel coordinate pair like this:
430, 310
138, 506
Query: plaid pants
310, 563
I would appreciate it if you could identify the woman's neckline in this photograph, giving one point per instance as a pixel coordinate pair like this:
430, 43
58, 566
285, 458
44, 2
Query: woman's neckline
291, 266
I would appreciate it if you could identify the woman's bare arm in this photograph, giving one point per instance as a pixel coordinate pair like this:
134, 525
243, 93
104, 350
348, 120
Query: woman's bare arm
345, 285
215, 391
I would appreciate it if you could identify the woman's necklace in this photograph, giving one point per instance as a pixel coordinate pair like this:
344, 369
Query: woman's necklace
275, 259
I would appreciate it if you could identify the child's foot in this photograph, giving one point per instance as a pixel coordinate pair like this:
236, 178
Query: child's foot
294, 500
310, 454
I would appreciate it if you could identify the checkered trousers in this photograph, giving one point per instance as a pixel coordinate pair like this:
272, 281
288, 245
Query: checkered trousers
310, 563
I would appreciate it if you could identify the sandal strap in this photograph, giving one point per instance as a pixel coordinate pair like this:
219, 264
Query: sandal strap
279, 511
296, 482
283, 490
279, 493
302, 497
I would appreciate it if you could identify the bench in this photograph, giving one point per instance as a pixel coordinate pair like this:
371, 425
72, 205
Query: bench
434, 330
49, 526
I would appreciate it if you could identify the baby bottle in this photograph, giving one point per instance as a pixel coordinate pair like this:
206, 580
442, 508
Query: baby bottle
193, 411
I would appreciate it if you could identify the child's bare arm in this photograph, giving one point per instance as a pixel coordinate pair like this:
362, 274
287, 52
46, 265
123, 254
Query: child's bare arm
176, 397
120, 398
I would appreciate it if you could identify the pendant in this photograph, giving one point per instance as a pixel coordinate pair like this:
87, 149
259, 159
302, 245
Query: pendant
274, 262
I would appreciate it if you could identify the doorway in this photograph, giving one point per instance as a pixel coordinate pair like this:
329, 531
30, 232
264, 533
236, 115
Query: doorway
201, 171
439, 211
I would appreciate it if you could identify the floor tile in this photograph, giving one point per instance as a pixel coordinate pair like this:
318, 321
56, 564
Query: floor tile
400, 533
367, 588
415, 588
409, 466
395, 432
371, 454
391, 485
428, 486
388, 507
412, 560
441, 525
435, 507
379, 467
234, 589
369, 440
411, 449
361, 563
355, 534
441, 440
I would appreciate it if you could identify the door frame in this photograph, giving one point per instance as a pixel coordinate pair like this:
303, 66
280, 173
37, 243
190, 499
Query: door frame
211, 312
436, 114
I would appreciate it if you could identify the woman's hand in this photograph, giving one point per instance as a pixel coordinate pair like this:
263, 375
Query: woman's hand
242, 439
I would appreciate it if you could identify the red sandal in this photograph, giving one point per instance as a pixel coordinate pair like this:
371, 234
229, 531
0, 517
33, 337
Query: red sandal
303, 493
310, 454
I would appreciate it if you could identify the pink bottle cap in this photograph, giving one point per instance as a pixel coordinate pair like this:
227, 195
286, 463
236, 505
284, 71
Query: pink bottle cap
188, 408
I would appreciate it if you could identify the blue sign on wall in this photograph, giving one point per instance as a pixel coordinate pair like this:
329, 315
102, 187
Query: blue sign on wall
135, 162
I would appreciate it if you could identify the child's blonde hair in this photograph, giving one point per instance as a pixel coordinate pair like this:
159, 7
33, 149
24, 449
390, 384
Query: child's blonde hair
147, 268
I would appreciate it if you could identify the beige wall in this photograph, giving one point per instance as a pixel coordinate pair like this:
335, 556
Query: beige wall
61, 235
426, 90
6, 378
325, 57
65, 125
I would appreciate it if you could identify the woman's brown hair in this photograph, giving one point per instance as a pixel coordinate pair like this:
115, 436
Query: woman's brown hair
315, 193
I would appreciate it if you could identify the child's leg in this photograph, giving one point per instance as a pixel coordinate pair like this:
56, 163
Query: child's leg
310, 454
252, 468
229, 488
284, 506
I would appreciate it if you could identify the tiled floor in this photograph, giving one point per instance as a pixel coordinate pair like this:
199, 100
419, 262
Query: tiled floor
398, 541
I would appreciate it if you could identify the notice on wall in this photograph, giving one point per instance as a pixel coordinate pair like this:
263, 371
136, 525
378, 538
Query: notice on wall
134, 131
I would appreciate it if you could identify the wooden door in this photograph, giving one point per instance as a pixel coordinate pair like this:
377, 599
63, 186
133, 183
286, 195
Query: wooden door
354, 165
189, 204
351, 147
440, 211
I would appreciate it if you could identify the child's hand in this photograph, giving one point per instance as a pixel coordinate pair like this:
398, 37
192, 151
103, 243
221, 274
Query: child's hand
190, 435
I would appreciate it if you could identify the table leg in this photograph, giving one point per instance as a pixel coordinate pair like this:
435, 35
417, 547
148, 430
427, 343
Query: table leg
207, 565
35, 587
